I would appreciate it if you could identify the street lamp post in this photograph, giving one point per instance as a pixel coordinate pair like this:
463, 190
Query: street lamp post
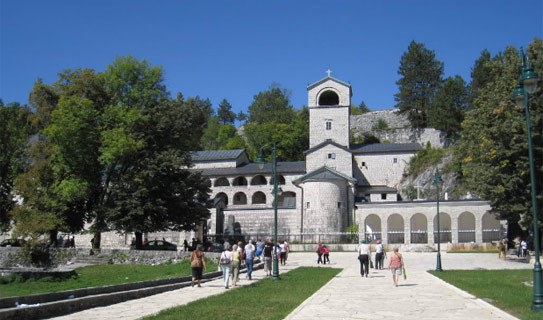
260, 161
436, 182
527, 85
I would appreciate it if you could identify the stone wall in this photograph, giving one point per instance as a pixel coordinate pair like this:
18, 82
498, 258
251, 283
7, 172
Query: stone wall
400, 130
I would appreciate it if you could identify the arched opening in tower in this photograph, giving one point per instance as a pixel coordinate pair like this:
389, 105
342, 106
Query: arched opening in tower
328, 98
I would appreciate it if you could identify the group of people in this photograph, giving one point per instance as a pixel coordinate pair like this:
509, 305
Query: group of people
396, 263
521, 248
323, 254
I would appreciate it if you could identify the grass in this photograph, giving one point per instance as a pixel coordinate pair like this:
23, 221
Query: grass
95, 276
506, 289
266, 299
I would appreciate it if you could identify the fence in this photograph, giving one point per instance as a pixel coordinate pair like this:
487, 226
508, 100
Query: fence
393, 237
466, 236
419, 236
444, 236
490, 235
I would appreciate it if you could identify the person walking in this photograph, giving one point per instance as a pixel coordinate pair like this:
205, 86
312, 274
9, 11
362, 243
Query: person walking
524, 248
197, 264
287, 250
185, 245
396, 265
267, 253
259, 248
326, 254
236, 263
379, 250
226, 265
250, 252
320, 251
283, 251
364, 256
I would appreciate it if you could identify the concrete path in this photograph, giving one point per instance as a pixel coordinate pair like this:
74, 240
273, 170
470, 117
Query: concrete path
348, 295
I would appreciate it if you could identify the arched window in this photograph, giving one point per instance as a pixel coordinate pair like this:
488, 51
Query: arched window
466, 227
373, 228
419, 228
258, 180
259, 198
222, 182
287, 200
240, 181
395, 226
223, 197
328, 98
444, 228
280, 180
240, 198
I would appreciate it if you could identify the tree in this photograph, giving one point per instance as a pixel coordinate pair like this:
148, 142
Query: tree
361, 109
452, 99
15, 132
271, 105
291, 138
493, 149
225, 113
420, 79
481, 73
241, 116
210, 134
157, 192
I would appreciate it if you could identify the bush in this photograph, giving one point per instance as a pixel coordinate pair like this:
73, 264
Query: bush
425, 158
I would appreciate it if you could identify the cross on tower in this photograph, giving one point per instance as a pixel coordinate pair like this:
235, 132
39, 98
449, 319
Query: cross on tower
329, 72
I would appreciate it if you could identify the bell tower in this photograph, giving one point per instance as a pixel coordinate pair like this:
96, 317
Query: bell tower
329, 102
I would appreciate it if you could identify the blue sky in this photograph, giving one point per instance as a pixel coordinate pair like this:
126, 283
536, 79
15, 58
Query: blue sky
235, 49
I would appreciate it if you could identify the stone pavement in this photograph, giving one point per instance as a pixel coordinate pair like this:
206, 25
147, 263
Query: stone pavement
348, 295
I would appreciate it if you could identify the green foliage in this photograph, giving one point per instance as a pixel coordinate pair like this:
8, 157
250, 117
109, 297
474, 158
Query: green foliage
292, 138
134, 83
493, 150
380, 125
410, 192
451, 102
225, 113
271, 105
113, 148
425, 158
353, 237
15, 131
420, 79
265, 299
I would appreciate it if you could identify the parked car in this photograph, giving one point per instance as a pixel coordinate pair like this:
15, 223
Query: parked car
215, 247
159, 245
12, 243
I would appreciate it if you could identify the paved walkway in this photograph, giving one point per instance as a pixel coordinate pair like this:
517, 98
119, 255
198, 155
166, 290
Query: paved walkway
349, 296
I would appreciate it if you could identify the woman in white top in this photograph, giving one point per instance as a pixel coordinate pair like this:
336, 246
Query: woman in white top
226, 265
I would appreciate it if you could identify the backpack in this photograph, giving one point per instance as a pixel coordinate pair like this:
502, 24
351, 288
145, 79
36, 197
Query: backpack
224, 259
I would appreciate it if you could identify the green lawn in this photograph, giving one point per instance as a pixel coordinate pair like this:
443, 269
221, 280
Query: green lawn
99, 275
506, 289
265, 299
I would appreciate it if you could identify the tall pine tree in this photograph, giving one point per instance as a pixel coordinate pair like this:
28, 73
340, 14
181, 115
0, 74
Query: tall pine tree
421, 77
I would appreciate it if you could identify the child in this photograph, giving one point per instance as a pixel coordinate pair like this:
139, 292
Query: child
326, 254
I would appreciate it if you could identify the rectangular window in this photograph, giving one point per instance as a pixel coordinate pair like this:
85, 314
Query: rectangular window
383, 196
328, 125
395, 160
364, 165
331, 156
307, 204
339, 204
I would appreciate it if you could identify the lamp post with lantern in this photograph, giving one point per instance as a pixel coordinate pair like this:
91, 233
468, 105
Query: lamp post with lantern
436, 182
276, 191
527, 85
